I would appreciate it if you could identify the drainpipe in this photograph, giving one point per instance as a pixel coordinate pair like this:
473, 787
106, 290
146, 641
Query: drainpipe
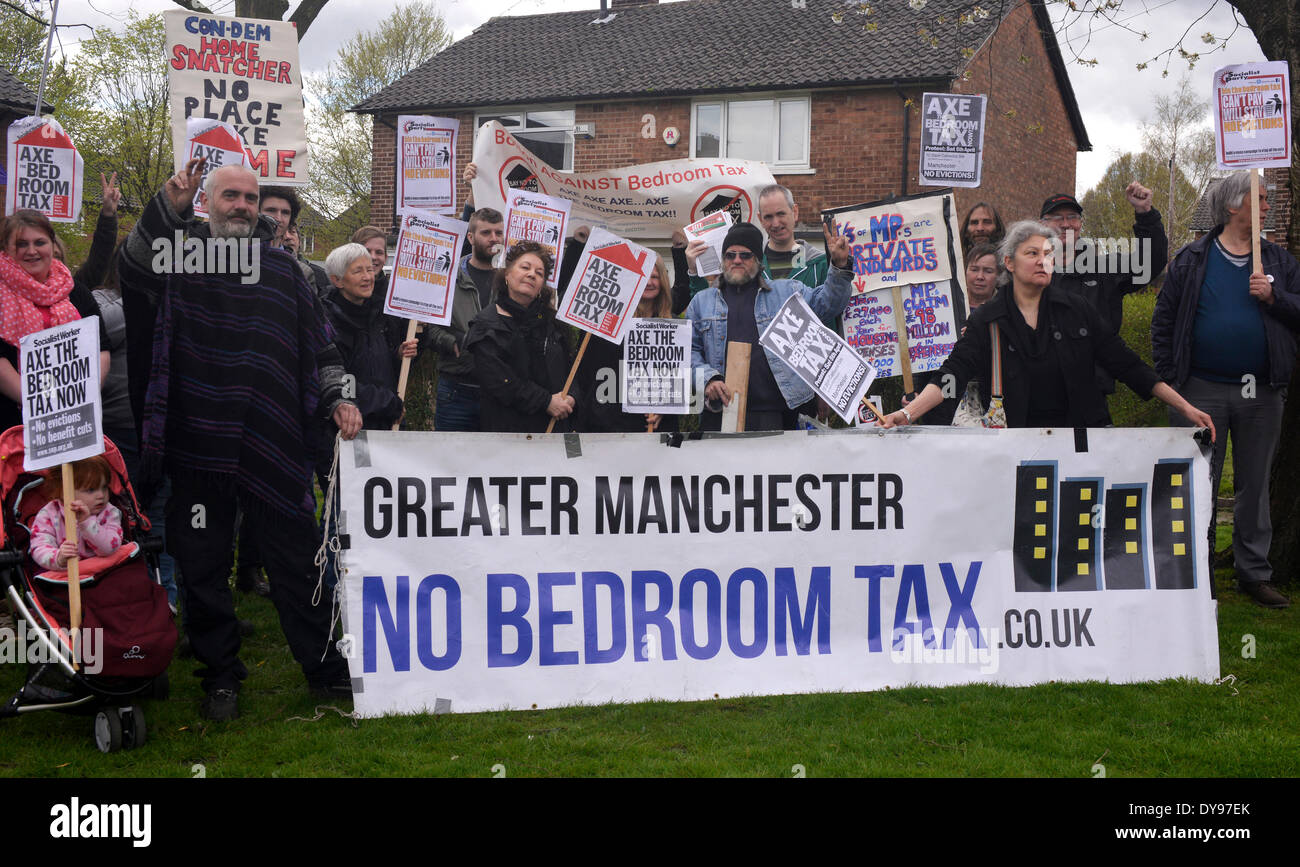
907, 140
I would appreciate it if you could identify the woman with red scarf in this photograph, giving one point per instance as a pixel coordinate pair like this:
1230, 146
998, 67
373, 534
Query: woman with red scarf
37, 291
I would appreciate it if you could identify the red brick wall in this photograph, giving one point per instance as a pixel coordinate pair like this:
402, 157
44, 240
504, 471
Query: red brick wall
1030, 155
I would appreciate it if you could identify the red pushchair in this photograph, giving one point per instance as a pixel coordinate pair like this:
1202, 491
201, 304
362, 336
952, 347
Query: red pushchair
128, 633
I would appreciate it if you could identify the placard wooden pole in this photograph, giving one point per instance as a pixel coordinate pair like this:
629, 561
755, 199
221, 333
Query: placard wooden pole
572, 370
1254, 221
737, 379
904, 354
412, 326
74, 582
871, 406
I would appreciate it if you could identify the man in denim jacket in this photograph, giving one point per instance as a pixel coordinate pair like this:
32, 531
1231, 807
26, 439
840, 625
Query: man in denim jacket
738, 309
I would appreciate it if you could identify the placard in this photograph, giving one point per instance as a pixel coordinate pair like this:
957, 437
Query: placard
1252, 115
952, 139
607, 285
218, 144
59, 373
899, 241
426, 163
244, 72
932, 327
819, 356
46, 173
541, 219
424, 268
657, 366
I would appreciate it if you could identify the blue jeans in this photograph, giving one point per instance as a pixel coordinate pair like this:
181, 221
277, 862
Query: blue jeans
457, 407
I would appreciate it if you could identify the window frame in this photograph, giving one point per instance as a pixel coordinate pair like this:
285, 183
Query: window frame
481, 116
776, 165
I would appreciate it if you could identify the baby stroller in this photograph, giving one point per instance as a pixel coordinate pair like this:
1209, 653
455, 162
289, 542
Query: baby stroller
127, 624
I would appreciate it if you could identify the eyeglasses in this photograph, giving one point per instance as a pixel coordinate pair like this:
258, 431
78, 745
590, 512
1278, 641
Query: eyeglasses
739, 255
1059, 219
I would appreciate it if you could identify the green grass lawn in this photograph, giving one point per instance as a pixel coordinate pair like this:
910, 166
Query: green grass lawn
1244, 726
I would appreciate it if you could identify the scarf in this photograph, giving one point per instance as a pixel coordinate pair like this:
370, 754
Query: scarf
234, 384
23, 297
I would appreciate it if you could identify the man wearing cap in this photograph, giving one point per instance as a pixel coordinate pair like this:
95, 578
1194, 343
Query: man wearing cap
1090, 272
739, 309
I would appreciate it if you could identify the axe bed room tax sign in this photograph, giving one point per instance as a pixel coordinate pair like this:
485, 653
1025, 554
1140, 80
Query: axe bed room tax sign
426, 163
952, 139
424, 268
218, 144
244, 72
59, 371
45, 170
539, 218
1252, 112
536, 574
820, 356
607, 284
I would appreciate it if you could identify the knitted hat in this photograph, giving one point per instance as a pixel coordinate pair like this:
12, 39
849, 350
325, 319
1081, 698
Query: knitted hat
744, 235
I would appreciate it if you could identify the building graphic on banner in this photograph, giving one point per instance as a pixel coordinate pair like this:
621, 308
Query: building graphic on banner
1078, 534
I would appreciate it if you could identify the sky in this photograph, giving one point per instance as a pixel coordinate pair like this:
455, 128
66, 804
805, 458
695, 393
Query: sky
1113, 96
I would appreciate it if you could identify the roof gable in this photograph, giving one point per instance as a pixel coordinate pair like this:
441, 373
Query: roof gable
15, 94
684, 48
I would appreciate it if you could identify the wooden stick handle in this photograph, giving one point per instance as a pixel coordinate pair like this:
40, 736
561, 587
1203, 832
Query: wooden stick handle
572, 370
411, 327
74, 581
871, 406
904, 353
1254, 221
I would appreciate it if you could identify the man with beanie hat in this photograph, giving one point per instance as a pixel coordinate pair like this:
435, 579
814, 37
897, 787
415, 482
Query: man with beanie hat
739, 309
1088, 271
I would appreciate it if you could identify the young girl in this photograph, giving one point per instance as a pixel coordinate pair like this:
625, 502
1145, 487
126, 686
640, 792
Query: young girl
99, 523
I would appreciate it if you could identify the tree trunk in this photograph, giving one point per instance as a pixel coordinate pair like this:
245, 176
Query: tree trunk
1276, 26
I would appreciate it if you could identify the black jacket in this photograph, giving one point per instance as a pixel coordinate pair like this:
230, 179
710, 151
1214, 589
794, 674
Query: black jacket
1175, 314
1082, 341
519, 365
362, 335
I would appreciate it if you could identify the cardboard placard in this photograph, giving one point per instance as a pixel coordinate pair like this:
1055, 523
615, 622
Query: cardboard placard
424, 268
59, 372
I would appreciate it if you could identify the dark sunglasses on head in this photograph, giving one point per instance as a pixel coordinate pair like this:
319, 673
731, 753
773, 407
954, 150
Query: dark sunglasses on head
742, 255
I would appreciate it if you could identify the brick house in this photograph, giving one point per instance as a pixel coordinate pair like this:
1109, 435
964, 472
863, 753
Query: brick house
1273, 225
831, 107
16, 101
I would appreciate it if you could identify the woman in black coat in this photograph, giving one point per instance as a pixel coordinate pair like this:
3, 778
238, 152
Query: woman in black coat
521, 356
1051, 343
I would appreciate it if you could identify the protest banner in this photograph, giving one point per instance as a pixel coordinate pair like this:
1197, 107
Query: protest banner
642, 201
45, 171
244, 72
932, 323
952, 139
713, 230
218, 144
657, 367
899, 241
424, 268
819, 356
62, 417
476, 580
1252, 115
539, 218
426, 163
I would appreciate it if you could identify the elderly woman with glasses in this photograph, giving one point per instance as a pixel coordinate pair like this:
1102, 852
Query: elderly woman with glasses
1049, 342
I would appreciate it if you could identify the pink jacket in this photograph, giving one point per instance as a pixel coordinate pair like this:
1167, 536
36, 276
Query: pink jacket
97, 536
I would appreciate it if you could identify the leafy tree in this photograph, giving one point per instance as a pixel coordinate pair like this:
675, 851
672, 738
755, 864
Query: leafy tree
341, 140
1107, 210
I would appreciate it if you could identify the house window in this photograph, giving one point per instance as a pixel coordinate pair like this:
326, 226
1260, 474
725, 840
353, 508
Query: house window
547, 133
774, 131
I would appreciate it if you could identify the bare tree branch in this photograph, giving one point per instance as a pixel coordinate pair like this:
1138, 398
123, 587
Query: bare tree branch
305, 14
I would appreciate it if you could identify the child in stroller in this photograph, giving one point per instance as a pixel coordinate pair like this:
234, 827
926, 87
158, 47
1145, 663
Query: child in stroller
127, 634
99, 522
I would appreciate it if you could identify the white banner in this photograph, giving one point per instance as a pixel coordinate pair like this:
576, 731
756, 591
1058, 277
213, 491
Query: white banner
644, 201
424, 268
46, 173
1252, 115
539, 218
607, 285
426, 163
657, 366
59, 370
930, 316
820, 356
244, 72
505, 571
952, 139
897, 242
218, 144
